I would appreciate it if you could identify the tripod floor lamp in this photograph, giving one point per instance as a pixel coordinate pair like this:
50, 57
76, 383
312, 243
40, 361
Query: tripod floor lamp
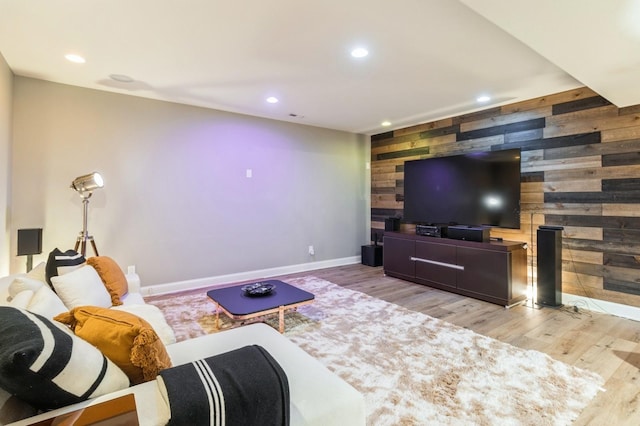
85, 185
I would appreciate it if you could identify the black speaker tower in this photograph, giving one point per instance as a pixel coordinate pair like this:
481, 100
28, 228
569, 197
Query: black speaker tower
549, 266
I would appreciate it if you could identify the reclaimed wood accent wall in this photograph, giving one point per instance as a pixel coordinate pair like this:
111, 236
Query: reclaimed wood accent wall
580, 170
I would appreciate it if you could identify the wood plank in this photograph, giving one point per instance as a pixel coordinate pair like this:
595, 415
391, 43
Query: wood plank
420, 152
629, 210
397, 145
582, 232
471, 145
577, 139
587, 185
385, 201
385, 166
632, 197
612, 148
616, 172
569, 95
501, 120
534, 123
531, 187
580, 105
567, 124
627, 261
624, 285
573, 209
575, 283
583, 256
517, 138
424, 127
621, 159
621, 134
531, 197
562, 164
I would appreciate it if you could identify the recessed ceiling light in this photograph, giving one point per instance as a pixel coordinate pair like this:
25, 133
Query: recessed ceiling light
121, 78
386, 123
272, 100
359, 52
483, 98
77, 59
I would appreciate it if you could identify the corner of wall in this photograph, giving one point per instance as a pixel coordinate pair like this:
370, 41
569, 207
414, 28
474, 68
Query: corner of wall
6, 105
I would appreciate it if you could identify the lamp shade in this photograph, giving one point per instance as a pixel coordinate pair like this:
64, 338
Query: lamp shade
87, 183
29, 241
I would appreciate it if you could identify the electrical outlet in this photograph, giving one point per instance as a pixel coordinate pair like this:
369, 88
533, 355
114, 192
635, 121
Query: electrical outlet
131, 269
312, 252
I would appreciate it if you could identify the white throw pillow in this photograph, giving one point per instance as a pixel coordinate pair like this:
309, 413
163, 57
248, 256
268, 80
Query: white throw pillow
46, 303
22, 299
39, 272
21, 284
152, 315
81, 287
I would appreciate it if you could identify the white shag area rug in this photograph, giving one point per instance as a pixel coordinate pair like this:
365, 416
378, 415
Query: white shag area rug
414, 369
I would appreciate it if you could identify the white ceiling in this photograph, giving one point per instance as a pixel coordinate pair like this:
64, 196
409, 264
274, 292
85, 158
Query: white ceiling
428, 59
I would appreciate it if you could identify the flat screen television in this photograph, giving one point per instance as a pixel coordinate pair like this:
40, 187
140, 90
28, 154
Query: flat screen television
480, 188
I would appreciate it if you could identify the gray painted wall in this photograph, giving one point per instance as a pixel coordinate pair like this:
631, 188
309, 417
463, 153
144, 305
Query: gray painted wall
177, 202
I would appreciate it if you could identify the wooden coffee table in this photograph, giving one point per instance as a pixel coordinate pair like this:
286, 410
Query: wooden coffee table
239, 306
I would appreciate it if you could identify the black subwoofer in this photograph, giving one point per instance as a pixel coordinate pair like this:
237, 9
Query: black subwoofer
549, 266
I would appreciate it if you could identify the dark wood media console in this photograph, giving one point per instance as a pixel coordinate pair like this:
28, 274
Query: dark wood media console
495, 271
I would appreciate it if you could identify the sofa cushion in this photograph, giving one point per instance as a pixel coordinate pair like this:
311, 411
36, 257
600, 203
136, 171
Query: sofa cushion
21, 284
126, 339
22, 299
112, 277
39, 272
81, 287
153, 315
48, 367
60, 263
46, 303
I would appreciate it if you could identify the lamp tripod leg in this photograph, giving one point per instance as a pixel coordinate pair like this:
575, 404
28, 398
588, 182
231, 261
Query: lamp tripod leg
93, 244
81, 243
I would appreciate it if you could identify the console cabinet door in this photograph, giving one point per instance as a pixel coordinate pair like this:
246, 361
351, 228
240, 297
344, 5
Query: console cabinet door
397, 258
436, 264
485, 272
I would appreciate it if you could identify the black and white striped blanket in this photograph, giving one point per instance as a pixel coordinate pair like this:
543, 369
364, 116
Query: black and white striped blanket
246, 386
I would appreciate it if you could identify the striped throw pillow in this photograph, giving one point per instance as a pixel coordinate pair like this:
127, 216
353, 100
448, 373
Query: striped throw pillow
47, 366
60, 263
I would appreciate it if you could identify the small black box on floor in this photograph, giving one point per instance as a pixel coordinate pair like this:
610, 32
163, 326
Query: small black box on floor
469, 233
372, 255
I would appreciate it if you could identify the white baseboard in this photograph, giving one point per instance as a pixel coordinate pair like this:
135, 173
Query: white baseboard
157, 289
597, 305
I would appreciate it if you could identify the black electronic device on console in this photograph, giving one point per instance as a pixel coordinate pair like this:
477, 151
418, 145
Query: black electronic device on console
439, 231
469, 233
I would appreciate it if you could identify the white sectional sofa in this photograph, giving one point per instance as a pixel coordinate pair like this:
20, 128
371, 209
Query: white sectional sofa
317, 396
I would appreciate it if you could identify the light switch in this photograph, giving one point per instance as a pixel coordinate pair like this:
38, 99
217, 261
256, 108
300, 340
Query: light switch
249, 173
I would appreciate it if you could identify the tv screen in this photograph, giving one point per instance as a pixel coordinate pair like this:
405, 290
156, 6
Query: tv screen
481, 188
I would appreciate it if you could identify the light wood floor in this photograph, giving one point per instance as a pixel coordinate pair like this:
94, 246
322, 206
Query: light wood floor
605, 344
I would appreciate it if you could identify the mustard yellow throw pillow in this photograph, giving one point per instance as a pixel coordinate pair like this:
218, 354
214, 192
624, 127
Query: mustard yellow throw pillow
126, 339
112, 277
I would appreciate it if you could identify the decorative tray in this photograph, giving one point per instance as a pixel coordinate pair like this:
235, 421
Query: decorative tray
258, 289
